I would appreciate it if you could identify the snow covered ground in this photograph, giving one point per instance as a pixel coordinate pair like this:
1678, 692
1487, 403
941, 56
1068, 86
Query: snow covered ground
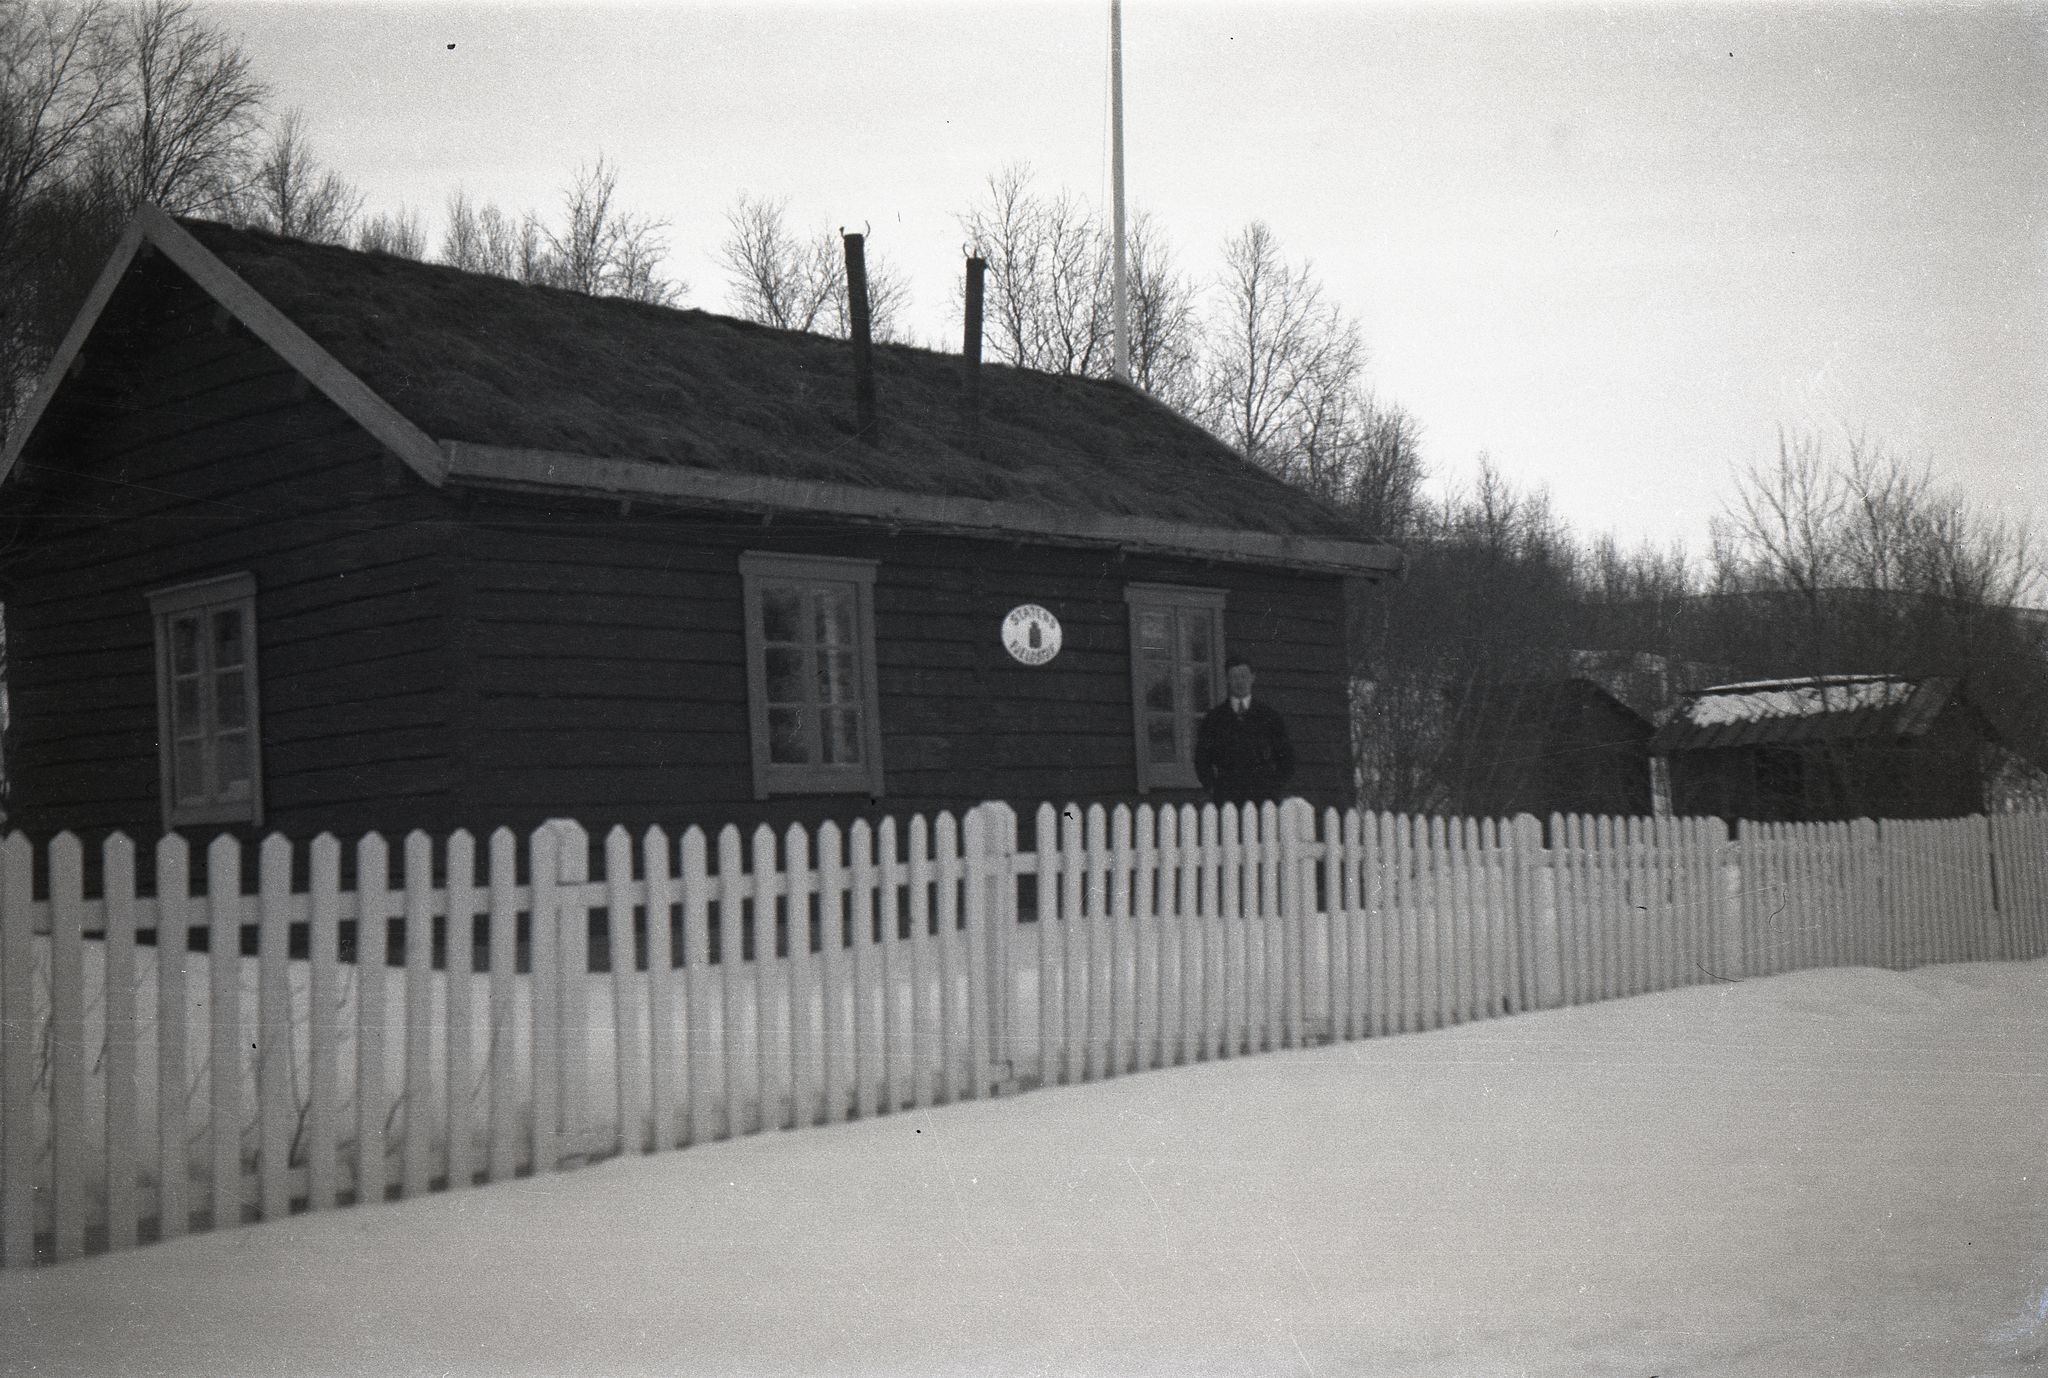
1824, 1173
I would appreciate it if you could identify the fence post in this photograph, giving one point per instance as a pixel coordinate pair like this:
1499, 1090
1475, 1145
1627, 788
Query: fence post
1728, 852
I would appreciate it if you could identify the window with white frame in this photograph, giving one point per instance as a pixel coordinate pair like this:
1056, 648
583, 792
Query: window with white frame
208, 733
1176, 676
811, 674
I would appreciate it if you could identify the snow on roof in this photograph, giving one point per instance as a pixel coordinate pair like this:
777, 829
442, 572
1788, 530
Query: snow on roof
1758, 700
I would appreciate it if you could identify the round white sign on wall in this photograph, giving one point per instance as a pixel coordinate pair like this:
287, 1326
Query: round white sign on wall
1031, 634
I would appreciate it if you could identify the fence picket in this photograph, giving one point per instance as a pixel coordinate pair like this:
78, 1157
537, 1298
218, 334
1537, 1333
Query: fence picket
459, 962
419, 1000
632, 1077
1074, 948
703, 1075
17, 1051
731, 889
894, 1055
1207, 843
922, 1042
1122, 944
502, 1055
731, 1119
323, 1019
544, 963
572, 945
117, 865
1173, 936
1144, 939
979, 987
801, 1057
664, 988
275, 1108
836, 1049
67, 1045
867, 1039
949, 949
1190, 941
224, 1016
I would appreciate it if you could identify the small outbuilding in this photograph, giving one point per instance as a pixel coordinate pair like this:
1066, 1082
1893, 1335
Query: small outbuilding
1829, 747
1542, 746
304, 538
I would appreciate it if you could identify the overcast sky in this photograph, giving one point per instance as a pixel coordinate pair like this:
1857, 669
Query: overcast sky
1615, 246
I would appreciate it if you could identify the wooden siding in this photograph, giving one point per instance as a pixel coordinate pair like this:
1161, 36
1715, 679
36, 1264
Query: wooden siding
197, 452
1938, 774
606, 653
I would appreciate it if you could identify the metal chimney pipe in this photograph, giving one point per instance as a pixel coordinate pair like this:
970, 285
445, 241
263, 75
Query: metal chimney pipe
863, 342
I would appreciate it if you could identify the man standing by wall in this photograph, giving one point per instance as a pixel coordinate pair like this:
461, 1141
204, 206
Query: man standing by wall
1242, 755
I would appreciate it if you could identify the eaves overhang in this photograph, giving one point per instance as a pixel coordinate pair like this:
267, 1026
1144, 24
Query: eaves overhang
506, 468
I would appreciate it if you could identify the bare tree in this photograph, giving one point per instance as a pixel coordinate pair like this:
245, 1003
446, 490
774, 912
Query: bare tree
290, 193
1284, 362
1048, 276
400, 233
59, 83
484, 239
189, 111
794, 283
101, 107
605, 252
1165, 328
599, 249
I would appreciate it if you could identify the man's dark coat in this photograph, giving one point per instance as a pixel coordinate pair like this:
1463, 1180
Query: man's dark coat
1243, 757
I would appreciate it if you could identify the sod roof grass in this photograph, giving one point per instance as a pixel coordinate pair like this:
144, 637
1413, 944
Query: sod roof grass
470, 357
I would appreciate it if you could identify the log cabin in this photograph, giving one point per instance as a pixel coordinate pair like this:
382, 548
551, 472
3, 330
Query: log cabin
302, 539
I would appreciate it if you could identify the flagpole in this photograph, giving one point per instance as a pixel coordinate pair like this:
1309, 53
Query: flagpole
1121, 360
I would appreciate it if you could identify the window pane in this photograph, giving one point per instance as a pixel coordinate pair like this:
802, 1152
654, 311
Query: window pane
184, 645
230, 703
1155, 632
836, 682
1159, 738
841, 737
786, 744
1197, 623
231, 762
835, 616
188, 763
782, 608
227, 638
1202, 695
784, 674
1158, 689
185, 719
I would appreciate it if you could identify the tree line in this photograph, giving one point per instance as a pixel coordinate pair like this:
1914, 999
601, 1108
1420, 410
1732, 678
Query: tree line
1833, 556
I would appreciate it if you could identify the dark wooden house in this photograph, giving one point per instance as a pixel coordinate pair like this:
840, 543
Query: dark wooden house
1829, 747
1544, 746
302, 538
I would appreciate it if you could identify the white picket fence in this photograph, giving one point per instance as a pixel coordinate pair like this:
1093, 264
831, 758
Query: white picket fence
147, 1090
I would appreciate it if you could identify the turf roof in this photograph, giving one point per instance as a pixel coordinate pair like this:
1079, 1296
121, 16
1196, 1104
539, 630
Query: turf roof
475, 358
